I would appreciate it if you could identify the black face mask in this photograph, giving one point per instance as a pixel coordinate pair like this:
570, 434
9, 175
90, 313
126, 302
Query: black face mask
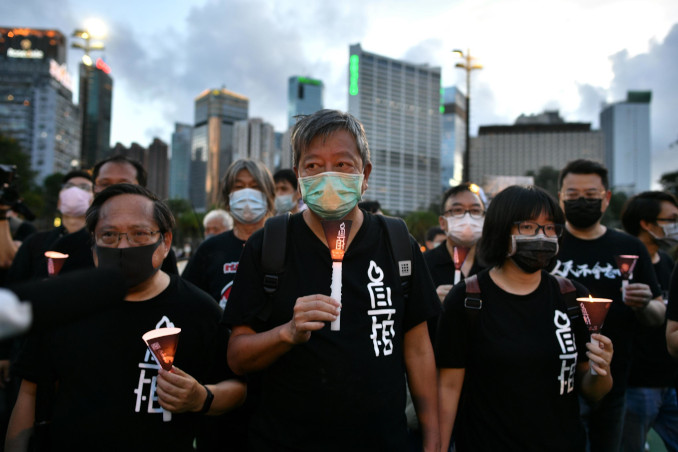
532, 254
135, 262
583, 213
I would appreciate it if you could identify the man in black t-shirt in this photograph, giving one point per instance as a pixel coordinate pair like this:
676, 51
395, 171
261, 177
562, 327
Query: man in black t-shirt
651, 397
325, 388
110, 394
588, 255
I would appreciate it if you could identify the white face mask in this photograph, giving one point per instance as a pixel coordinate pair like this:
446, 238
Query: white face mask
74, 201
670, 236
464, 231
247, 205
284, 203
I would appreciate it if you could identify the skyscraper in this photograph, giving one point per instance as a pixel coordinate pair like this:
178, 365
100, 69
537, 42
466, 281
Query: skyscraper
531, 143
304, 96
216, 111
453, 129
96, 93
399, 106
253, 138
157, 164
180, 161
36, 99
626, 126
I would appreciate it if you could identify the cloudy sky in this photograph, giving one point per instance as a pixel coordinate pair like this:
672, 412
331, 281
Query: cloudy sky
570, 55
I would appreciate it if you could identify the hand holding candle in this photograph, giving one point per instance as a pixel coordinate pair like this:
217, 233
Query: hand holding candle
336, 233
594, 311
626, 263
162, 343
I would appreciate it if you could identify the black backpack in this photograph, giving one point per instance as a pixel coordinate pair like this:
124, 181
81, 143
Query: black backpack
274, 249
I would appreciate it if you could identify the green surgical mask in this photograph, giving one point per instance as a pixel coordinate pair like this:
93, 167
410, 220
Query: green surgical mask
331, 195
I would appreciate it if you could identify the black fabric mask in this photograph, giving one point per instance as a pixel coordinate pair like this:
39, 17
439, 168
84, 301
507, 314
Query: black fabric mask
136, 262
583, 213
532, 254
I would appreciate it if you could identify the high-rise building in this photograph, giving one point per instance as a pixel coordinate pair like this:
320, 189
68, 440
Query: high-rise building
531, 143
399, 106
96, 93
452, 143
36, 99
180, 161
157, 165
216, 111
154, 159
253, 138
626, 126
304, 96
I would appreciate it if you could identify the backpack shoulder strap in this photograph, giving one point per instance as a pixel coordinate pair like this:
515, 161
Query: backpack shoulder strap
401, 249
273, 250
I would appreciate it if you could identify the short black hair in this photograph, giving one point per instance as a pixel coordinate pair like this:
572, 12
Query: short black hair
453, 191
370, 206
584, 166
514, 203
433, 232
286, 174
77, 173
644, 206
142, 175
161, 213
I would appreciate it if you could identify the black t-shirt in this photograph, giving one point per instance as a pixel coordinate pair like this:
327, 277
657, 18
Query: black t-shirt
213, 266
652, 366
593, 264
519, 391
106, 376
342, 390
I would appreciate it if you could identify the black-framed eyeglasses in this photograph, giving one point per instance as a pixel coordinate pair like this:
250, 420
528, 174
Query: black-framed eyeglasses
85, 187
530, 228
139, 237
570, 195
668, 220
458, 212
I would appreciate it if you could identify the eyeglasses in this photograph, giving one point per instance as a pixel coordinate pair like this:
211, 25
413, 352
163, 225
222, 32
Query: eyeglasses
570, 195
531, 228
668, 220
458, 212
137, 237
85, 187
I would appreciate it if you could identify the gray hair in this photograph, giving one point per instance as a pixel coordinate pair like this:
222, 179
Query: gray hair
225, 217
324, 123
261, 175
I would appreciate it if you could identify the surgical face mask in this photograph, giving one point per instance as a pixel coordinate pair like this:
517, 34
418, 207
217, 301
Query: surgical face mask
284, 203
331, 195
247, 205
533, 253
464, 231
136, 262
74, 201
583, 213
670, 238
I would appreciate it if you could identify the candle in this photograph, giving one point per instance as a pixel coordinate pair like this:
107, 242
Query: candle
594, 311
55, 261
336, 233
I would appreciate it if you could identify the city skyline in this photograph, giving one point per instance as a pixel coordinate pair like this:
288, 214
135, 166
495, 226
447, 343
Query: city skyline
570, 56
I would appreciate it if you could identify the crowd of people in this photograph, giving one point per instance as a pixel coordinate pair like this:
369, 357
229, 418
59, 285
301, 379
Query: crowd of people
310, 321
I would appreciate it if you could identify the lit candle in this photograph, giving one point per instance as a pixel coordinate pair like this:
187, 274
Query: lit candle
55, 261
594, 311
336, 233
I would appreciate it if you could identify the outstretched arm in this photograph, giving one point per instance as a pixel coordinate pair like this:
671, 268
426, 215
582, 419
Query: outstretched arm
451, 382
21, 422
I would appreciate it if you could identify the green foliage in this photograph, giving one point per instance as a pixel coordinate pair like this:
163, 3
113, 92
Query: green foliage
189, 223
419, 222
12, 154
669, 182
612, 216
546, 178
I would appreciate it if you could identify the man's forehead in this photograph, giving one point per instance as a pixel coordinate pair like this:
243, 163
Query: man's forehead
464, 197
124, 208
582, 181
111, 169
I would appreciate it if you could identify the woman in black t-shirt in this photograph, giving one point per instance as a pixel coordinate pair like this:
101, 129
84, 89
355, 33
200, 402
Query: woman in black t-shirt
520, 358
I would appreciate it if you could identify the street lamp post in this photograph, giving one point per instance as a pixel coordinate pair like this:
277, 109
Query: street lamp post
468, 66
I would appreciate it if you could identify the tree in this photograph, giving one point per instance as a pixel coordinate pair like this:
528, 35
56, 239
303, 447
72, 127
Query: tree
669, 182
188, 222
547, 178
612, 216
419, 222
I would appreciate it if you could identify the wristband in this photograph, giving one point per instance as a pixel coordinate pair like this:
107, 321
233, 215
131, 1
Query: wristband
208, 401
